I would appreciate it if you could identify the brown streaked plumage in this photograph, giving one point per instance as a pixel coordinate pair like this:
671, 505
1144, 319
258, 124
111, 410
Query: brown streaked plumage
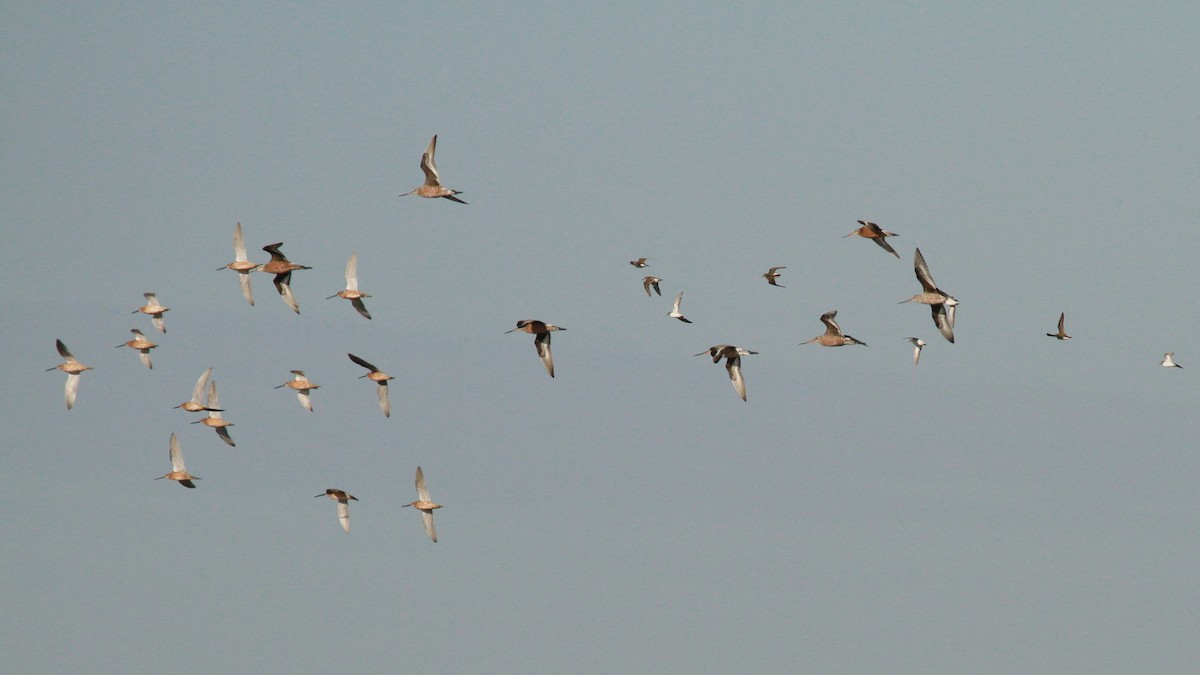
875, 233
640, 262
155, 311
541, 330
343, 501
241, 264
833, 336
733, 364
302, 387
771, 276
432, 188
214, 418
1062, 333
195, 404
380, 378
282, 268
142, 345
178, 470
72, 367
941, 304
651, 282
352, 293
425, 505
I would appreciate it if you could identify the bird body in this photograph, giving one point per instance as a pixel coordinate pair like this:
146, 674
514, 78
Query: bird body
833, 336
380, 378
651, 282
675, 313
343, 501
72, 367
142, 345
178, 471
302, 387
241, 264
155, 310
352, 293
282, 268
771, 276
942, 304
214, 419
425, 505
195, 404
541, 341
1169, 362
432, 188
733, 364
918, 344
876, 234
1062, 333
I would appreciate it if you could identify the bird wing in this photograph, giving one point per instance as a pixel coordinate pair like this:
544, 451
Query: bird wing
198, 390
64, 352
429, 166
352, 273
213, 401
72, 388
239, 245
542, 343
285, 290
304, 400
224, 434
344, 514
733, 364
922, 271
427, 517
176, 456
359, 307
422, 491
831, 325
942, 318
384, 404
678, 299
244, 280
886, 246
1061, 320
363, 363
144, 355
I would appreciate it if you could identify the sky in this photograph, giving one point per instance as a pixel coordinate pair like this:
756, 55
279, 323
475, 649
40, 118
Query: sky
1012, 504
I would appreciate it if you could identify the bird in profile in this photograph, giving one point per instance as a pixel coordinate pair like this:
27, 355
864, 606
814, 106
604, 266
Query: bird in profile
640, 262
771, 276
302, 386
651, 282
674, 313
432, 188
380, 378
941, 303
72, 367
196, 404
155, 311
343, 501
541, 330
425, 505
214, 419
1062, 333
241, 264
142, 345
178, 471
833, 335
352, 293
876, 234
1169, 362
918, 344
733, 364
282, 268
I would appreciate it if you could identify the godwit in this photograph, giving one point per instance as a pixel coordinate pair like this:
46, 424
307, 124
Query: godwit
640, 262
771, 276
541, 342
425, 505
918, 344
833, 336
241, 264
380, 378
282, 268
142, 345
178, 470
1168, 362
302, 386
674, 313
214, 419
343, 501
155, 311
433, 184
195, 404
1062, 333
941, 303
651, 282
875, 233
352, 293
733, 364
72, 367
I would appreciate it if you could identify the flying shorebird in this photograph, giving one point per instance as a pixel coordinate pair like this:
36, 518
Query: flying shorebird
142, 345
214, 418
380, 378
302, 386
343, 501
72, 367
640, 262
241, 264
918, 345
875, 233
433, 184
195, 404
425, 505
541, 342
178, 470
733, 364
833, 336
155, 311
941, 303
674, 313
282, 268
1168, 362
352, 293
1062, 333
771, 276
651, 282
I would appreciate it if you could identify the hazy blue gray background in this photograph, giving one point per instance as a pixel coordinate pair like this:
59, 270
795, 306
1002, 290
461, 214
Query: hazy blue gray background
1013, 504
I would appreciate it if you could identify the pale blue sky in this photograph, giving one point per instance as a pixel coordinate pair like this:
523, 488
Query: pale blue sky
1014, 504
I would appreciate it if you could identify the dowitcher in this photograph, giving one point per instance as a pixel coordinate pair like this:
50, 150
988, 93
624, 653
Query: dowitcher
214, 418
1062, 333
833, 336
142, 345
155, 311
380, 378
196, 404
302, 386
651, 282
674, 313
541, 330
771, 276
282, 268
425, 505
241, 264
178, 470
433, 184
918, 344
876, 234
352, 293
733, 364
343, 501
1169, 362
72, 367
640, 262
941, 304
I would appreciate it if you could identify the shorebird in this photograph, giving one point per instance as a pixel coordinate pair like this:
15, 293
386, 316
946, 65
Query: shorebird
733, 364
302, 386
640, 262
941, 303
674, 313
72, 367
771, 276
214, 419
651, 282
425, 505
1168, 362
352, 293
241, 264
140, 343
833, 336
195, 404
541, 342
875, 233
282, 268
178, 470
433, 184
918, 344
380, 378
343, 501
155, 311
1062, 333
